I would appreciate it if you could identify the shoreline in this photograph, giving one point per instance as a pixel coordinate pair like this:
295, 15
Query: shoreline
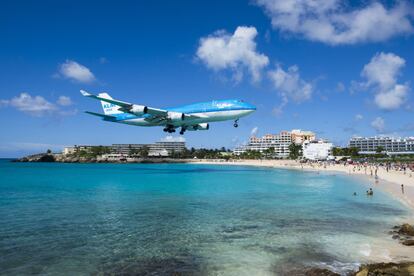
389, 182
396, 252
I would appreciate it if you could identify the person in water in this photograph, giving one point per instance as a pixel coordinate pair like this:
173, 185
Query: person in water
370, 192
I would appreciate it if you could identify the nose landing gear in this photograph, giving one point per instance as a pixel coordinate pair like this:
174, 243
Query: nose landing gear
236, 123
182, 131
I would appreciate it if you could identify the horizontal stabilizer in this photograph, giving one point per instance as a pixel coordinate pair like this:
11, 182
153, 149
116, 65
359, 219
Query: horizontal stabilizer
106, 117
108, 100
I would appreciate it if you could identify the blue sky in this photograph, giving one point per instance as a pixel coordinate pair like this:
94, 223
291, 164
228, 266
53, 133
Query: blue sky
337, 68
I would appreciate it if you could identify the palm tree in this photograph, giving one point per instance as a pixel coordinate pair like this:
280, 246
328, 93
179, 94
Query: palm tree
295, 151
379, 149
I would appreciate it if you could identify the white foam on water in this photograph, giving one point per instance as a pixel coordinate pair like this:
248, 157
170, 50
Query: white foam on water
365, 250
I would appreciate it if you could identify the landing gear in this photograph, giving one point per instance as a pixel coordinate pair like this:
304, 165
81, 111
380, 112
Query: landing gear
236, 123
169, 129
182, 131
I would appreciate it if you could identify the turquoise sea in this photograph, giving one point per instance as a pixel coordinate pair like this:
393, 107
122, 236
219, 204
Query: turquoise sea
161, 219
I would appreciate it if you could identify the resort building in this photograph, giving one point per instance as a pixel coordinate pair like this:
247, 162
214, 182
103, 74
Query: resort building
389, 145
317, 150
280, 142
126, 149
169, 146
158, 153
161, 149
74, 149
301, 136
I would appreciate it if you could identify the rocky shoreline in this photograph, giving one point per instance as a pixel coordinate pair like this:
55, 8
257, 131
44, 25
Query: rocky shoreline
376, 269
59, 158
404, 233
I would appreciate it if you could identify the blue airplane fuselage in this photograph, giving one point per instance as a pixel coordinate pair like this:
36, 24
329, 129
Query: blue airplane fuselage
205, 112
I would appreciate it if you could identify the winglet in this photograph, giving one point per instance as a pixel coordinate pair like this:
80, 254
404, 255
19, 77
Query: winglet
84, 93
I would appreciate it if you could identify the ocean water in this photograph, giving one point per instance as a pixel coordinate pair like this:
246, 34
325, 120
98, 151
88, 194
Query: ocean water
161, 219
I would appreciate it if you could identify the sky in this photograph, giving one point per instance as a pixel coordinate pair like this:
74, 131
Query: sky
339, 68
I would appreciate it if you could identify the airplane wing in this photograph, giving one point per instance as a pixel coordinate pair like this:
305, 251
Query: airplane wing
158, 115
106, 117
124, 105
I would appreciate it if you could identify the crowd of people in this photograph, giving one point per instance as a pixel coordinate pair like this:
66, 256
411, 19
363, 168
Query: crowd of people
372, 169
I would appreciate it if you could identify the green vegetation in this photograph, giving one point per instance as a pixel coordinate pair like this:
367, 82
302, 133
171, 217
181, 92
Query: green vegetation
352, 152
202, 153
92, 152
295, 151
47, 158
269, 153
379, 150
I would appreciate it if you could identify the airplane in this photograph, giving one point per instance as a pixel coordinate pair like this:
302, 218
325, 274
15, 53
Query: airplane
189, 117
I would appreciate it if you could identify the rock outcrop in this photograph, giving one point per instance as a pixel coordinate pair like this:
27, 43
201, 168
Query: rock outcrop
389, 269
406, 229
315, 271
404, 233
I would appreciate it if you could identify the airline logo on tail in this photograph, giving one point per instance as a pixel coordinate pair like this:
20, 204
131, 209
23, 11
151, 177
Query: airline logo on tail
109, 108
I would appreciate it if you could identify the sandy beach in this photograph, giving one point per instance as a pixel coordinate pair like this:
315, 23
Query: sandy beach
389, 181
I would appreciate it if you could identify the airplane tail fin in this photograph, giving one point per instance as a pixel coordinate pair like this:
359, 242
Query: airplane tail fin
109, 108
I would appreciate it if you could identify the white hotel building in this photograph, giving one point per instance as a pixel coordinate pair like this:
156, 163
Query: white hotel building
317, 150
280, 142
391, 145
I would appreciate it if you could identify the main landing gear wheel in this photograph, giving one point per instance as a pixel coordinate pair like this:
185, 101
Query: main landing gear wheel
182, 131
169, 129
236, 123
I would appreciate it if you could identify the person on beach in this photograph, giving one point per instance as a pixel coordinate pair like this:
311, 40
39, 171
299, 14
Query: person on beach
402, 188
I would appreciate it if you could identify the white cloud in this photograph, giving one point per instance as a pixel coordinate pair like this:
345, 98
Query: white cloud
37, 105
237, 52
359, 117
381, 74
170, 138
64, 101
393, 98
383, 69
335, 22
254, 131
75, 71
378, 124
290, 85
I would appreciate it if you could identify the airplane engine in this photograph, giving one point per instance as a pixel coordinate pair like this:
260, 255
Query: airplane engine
203, 126
175, 117
138, 109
